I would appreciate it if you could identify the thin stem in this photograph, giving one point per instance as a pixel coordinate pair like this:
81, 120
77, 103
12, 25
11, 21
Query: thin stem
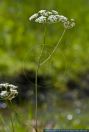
36, 77
3, 123
54, 48
11, 118
12, 107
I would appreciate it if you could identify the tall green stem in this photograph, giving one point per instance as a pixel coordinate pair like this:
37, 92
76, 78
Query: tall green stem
11, 118
36, 76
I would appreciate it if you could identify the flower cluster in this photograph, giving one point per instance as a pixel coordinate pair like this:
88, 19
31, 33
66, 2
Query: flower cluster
8, 91
44, 16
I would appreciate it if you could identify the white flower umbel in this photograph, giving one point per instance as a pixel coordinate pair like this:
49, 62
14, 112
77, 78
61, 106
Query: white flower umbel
44, 16
8, 91
69, 24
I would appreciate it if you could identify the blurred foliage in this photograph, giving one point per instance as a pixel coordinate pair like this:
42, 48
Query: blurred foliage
63, 115
20, 40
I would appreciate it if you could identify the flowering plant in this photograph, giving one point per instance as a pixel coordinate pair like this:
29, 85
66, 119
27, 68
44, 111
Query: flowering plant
8, 91
48, 17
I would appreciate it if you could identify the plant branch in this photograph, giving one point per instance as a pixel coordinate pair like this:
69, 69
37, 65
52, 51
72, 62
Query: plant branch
36, 76
60, 39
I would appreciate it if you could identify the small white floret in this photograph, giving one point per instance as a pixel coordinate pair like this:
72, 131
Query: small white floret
3, 94
41, 19
62, 18
53, 18
33, 17
42, 11
54, 12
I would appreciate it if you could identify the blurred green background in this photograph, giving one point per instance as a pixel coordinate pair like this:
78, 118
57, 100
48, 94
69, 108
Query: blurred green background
20, 42
20, 39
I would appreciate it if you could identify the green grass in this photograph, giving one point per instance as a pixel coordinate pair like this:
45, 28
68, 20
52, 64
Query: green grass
58, 115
